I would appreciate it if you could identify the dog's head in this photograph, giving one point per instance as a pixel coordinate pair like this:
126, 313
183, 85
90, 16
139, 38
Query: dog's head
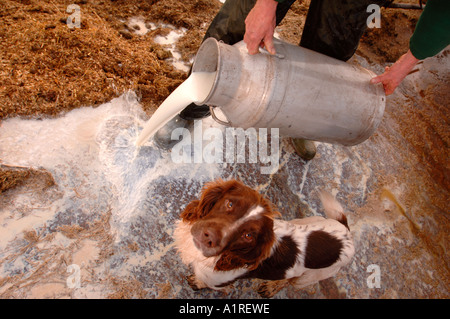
232, 221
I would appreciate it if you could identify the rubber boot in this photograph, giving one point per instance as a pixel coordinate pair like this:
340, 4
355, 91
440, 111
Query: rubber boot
306, 149
163, 138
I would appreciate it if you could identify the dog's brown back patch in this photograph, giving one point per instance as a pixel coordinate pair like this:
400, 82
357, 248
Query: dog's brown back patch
322, 250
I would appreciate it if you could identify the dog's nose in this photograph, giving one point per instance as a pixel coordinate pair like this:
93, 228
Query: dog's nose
207, 237
210, 238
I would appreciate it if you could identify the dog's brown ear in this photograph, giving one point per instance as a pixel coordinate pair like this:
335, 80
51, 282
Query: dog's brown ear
191, 212
229, 261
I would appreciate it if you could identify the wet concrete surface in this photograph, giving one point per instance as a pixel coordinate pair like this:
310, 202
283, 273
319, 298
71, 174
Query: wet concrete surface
113, 210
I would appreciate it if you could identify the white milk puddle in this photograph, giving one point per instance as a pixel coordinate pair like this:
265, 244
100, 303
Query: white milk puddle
91, 153
195, 89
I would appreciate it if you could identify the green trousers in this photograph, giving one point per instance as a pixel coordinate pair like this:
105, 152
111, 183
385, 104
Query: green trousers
332, 27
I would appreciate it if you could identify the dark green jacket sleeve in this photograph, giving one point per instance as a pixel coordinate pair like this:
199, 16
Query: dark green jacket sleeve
432, 33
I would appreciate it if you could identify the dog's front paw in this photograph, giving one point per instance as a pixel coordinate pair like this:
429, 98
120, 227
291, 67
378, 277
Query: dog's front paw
195, 283
192, 282
265, 291
268, 289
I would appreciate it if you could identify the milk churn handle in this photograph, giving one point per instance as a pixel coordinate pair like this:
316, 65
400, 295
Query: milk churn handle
263, 50
211, 109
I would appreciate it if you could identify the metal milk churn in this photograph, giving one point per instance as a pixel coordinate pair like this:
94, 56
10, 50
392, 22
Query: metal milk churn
303, 93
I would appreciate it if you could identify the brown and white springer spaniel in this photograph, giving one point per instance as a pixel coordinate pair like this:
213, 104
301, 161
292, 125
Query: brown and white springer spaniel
231, 233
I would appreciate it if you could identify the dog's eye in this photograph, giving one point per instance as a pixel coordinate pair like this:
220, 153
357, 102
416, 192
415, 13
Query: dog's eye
228, 204
247, 236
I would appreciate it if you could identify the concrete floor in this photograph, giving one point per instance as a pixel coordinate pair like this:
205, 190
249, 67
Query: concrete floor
113, 209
